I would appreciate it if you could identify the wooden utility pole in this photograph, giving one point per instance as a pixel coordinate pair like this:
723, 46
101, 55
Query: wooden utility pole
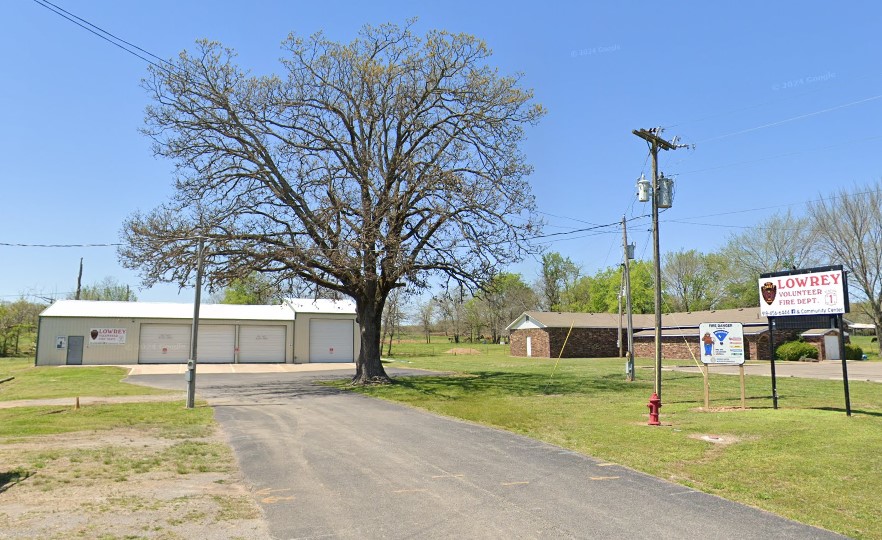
79, 280
629, 365
653, 137
194, 334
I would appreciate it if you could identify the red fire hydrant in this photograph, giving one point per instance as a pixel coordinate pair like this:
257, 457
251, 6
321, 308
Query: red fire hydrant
654, 405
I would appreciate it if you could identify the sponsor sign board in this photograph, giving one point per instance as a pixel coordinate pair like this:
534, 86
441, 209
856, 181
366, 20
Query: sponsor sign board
813, 293
107, 336
721, 343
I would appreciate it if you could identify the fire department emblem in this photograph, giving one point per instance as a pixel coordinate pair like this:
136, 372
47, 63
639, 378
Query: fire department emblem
94, 334
768, 291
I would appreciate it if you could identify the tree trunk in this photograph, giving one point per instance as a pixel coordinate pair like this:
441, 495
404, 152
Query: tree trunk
368, 367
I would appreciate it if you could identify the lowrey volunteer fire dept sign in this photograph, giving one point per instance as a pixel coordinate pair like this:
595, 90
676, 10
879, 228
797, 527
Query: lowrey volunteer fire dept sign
107, 336
817, 293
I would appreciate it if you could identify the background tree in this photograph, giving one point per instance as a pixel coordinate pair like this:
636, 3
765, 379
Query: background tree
393, 316
426, 314
451, 312
363, 167
849, 232
254, 289
692, 281
502, 301
559, 273
781, 242
17, 319
107, 289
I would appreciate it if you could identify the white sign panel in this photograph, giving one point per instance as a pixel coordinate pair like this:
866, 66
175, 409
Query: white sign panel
816, 293
107, 336
721, 343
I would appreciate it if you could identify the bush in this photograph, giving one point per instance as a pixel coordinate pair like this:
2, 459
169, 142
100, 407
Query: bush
795, 350
853, 352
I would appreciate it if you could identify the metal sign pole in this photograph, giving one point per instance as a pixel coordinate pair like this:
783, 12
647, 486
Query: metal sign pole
844, 364
772, 356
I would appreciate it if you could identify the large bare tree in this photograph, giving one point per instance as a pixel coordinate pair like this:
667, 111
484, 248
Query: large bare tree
849, 229
362, 167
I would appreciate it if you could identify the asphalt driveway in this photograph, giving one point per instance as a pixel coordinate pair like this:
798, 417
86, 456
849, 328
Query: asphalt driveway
330, 464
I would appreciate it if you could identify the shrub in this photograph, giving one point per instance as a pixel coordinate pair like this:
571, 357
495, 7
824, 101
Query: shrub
795, 350
853, 352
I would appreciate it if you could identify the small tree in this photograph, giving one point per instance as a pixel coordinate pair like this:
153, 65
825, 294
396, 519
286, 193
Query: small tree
108, 289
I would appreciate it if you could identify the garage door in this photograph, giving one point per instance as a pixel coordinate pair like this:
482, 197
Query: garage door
164, 344
259, 344
217, 344
330, 340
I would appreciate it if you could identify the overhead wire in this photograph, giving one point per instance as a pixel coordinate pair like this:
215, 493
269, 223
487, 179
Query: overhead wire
106, 36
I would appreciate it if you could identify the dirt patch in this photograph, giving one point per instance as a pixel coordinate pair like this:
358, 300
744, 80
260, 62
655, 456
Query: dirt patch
462, 350
128, 483
716, 439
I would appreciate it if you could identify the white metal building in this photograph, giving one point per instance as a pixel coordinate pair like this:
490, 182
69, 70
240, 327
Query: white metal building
94, 333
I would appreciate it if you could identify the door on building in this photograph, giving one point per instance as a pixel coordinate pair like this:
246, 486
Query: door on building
331, 340
164, 344
217, 344
529, 346
74, 350
261, 344
831, 347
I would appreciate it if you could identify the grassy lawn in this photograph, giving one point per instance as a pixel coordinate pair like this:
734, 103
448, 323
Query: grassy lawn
58, 381
806, 461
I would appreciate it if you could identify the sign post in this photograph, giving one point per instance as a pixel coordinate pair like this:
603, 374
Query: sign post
721, 344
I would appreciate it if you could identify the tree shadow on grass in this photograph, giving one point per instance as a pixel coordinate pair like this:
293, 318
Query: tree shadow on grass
514, 384
10, 478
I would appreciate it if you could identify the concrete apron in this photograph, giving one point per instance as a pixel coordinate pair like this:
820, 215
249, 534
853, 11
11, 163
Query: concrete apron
171, 369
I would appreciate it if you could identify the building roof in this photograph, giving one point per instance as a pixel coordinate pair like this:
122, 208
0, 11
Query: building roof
692, 332
819, 332
183, 310
546, 319
321, 305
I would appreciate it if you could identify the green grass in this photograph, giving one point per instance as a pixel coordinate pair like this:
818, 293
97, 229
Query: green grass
172, 418
55, 381
807, 461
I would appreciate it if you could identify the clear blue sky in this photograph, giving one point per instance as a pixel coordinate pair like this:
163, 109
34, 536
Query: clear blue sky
74, 164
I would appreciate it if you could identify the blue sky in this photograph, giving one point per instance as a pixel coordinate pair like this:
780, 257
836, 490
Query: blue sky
781, 99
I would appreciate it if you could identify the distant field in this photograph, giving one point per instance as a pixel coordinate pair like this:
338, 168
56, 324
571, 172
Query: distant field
870, 347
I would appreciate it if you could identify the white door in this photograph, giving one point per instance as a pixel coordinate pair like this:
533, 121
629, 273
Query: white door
217, 344
261, 344
529, 346
831, 346
331, 340
164, 344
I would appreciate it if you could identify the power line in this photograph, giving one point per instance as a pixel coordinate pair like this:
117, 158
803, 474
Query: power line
105, 35
791, 119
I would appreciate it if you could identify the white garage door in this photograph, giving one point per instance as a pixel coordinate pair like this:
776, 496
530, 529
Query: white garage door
261, 344
217, 344
330, 340
164, 344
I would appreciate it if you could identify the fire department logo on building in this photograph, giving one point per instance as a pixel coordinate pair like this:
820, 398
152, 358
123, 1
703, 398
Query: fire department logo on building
769, 290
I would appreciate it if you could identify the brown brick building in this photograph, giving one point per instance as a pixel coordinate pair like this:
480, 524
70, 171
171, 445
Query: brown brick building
595, 335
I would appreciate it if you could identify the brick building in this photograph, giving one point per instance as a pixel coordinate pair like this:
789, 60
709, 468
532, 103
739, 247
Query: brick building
595, 335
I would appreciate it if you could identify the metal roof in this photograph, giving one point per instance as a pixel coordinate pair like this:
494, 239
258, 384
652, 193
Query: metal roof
167, 310
321, 305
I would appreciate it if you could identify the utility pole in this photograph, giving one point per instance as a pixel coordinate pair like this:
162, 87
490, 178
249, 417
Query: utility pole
194, 335
79, 280
653, 137
629, 254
